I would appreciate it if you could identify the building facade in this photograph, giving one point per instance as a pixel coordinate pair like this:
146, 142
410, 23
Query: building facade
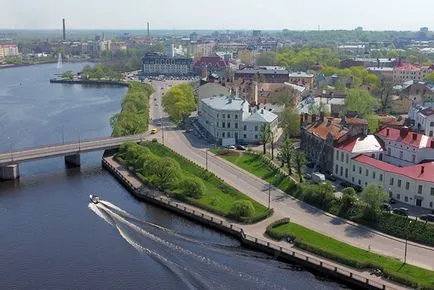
8, 50
263, 75
158, 64
407, 72
226, 117
422, 118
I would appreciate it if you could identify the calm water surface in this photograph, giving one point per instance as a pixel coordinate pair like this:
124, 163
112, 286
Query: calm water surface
52, 238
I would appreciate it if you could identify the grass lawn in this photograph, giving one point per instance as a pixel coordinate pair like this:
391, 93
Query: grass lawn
353, 256
255, 164
218, 197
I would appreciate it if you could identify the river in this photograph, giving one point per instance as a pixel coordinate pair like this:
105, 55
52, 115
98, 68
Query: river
52, 238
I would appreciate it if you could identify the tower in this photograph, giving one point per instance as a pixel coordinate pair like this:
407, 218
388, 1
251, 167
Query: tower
148, 30
64, 29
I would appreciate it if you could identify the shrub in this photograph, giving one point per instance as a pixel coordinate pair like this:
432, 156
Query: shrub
243, 208
192, 187
154, 140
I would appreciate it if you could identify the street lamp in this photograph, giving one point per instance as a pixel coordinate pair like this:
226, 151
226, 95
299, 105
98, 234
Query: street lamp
78, 131
206, 159
10, 143
406, 240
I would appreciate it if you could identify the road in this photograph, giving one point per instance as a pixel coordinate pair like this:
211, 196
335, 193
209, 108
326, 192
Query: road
285, 206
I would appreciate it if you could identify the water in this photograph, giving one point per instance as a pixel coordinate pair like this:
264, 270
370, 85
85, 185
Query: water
52, 238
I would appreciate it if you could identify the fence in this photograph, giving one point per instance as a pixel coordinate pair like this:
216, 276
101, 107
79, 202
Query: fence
266, 246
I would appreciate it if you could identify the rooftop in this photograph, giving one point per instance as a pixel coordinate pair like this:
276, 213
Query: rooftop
422, 171
406, 137
228, 103
330, 125
300, 75
261, 115
262, 71
361, 145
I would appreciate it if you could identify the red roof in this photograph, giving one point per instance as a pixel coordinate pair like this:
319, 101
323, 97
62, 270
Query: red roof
348, 145
213, 61
422, 172
411, 67
330, 125
408, 138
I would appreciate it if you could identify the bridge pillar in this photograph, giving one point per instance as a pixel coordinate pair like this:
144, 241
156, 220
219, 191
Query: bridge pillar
73, 160
9, 172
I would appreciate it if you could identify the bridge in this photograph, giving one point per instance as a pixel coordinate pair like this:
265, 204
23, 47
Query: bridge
9, 161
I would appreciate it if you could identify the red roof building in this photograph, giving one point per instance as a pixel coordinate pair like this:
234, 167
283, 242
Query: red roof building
211, 63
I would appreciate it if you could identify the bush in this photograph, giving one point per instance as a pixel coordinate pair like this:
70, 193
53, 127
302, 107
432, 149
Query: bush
154, 140
192, 187
243, 208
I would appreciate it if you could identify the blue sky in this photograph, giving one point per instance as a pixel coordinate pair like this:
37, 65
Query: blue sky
222, 14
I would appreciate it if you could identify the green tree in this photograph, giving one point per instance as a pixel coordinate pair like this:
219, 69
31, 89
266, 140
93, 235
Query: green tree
246, 57
317, 108
265, 135
286, 96
373, 123
179, 102
68, 75
430, 77
373, 196
360, 101
299, 162
243, 208
348, 201
192, 187
166, 171
286, 153
266, 58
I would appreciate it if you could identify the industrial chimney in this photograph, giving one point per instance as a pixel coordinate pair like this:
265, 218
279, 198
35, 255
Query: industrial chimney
147, 25
64, 29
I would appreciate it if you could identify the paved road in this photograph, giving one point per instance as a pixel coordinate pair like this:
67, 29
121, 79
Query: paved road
66, 149
286, 206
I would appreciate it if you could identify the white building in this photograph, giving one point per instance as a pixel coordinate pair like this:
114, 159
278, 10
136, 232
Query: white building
423, 118
405, 148
232, 117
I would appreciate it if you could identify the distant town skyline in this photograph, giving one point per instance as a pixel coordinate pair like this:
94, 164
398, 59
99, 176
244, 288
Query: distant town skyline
240, 14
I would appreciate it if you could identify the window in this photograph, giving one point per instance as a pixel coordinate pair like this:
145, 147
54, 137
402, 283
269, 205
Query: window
346, 158
217, 115
342, 171
245, 136
399, 182
391, 181
373, 174
337, 156
407, 185
223, 134
354, 168
431, 124
406, 198
419, 189
430, 204
236, 116
223, 116
389, 151
256, 137
236, 135
360, 182
229, 134
245, 127
217, 124
398, 196
352, 179
223, 125
401, 155
413, 158
366, 172
256, 129
432, 190
229, 116
336, 169
360, 170
229, 125
346, 172
236, 125
342, 156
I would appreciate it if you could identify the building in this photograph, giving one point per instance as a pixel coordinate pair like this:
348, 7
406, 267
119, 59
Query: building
229, 119
211, 64
368, 62
405, 148
263, 75
384, 73
8, 50
422, 118
158, 64
319, 136
302, 79
202, 48
417, 91
406, 72
211, 89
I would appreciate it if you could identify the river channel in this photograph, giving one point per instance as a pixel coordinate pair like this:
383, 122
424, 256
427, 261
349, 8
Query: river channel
52, 238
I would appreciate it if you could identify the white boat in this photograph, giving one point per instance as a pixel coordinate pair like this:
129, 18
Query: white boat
94, 198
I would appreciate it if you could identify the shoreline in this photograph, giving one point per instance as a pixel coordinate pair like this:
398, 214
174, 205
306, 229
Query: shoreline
279, 251
6, 66
90, 82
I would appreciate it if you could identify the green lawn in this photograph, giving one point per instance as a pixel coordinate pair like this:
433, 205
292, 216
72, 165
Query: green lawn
218, 197
353, 256
258, 165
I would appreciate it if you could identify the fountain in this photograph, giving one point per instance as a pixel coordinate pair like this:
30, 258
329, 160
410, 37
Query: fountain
59, 61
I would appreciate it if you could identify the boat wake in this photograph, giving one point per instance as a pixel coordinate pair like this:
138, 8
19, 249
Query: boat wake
172, 250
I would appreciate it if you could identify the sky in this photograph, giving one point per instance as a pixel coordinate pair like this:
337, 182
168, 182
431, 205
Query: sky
222, 14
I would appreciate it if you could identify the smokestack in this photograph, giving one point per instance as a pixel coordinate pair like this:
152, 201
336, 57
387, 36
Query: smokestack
64, 29
256, 93
147, 24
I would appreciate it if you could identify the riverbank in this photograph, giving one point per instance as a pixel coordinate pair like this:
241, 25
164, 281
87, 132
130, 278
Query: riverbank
90, 82
251, 236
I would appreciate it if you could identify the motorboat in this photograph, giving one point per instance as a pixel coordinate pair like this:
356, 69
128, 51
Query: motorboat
94, 198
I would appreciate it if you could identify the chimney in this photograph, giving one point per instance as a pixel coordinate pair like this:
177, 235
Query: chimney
321, 116
147, 28
403, 132
313, 118
387, 132
256, 93
64, 29
422, 170
414, 136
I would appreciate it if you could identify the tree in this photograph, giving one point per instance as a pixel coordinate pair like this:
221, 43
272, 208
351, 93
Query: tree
266, 58
265, 135
373, 123
373, 196
243, 208
286, 96
300, 162
360, 101
430, 77
246, 57
68, 75
272, 139
290, 123
386, 97
166, 171
317, 108
348, 201
192, 187
286, 152
179, 102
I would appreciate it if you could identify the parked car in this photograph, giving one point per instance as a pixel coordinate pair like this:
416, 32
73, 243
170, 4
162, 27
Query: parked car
154, 131
386, 207
358, 188
392, 201
427, 217
331, 177
310, 165
241, 147
307, 176
401, 211
346, 184
230, 147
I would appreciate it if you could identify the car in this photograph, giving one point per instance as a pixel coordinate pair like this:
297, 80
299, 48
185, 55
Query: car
386, 207
154, 131
400, 211
331, 177
346, 184
188, 130
158, 123
230, 147
358, 188
427, 217
241, 147
307, 176
392, 201
310, 165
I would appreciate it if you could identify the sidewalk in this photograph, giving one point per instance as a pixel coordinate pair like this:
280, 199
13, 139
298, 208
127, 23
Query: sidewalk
254, 234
